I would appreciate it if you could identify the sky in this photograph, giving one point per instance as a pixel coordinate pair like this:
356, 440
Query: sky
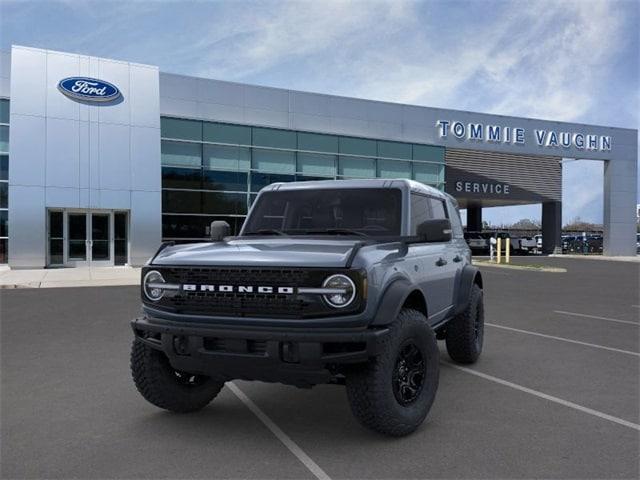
558, 60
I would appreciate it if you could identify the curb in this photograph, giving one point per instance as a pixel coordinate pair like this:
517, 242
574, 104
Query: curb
521, 267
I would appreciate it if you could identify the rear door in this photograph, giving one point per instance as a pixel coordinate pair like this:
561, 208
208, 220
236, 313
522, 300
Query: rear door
432, 264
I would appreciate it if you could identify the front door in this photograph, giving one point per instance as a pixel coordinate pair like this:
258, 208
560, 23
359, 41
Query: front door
87, 238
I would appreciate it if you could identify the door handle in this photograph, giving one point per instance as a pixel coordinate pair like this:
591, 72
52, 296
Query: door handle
441, 262
457, 258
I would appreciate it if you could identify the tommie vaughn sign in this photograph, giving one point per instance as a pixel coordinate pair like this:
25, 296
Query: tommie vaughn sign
88, 89
478, 132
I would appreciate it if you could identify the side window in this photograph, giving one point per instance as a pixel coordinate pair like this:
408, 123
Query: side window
438, 210
419, 211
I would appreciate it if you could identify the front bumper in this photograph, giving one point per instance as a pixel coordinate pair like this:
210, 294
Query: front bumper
286, 355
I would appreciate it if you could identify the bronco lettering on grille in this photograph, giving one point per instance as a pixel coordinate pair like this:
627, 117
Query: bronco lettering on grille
190, 287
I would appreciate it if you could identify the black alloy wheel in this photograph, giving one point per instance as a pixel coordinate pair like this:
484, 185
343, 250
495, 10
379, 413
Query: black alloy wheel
408, 374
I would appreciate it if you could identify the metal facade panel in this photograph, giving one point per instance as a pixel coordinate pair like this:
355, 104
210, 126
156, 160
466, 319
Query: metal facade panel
534, 179
81, 154
382, 120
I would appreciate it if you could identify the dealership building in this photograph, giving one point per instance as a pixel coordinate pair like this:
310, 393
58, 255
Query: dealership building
101, 160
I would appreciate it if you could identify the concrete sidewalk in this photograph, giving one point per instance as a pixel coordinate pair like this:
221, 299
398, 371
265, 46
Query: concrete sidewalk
69, 277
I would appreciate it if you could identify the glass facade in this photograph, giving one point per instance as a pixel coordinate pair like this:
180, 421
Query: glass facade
4, 180
212, 171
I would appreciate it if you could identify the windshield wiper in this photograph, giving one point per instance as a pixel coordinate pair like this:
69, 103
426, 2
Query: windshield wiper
267, 231
338, 231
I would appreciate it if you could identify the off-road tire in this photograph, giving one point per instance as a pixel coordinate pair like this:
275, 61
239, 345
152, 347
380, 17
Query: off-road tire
370, 387
160, 384
465, 333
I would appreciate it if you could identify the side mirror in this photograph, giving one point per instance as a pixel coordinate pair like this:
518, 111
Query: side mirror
435, 230
219, 230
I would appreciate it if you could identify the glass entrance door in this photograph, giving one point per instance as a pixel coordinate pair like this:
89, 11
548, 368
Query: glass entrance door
87, 238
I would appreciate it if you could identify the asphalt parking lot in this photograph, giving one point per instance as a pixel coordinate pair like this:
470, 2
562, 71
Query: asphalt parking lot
554, 395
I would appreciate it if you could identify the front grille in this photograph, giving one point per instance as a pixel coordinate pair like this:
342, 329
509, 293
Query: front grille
234, 304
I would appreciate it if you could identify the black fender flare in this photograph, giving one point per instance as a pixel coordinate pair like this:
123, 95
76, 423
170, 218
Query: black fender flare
392, 300
468, 277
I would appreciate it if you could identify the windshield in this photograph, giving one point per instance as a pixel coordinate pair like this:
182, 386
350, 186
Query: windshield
361, 212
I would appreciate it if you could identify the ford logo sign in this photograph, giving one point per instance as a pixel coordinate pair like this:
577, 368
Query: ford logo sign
89, 89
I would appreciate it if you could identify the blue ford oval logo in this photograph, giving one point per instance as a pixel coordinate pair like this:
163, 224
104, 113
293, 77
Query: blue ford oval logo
89, 89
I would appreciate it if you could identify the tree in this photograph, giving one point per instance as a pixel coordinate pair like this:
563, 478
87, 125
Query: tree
526, 224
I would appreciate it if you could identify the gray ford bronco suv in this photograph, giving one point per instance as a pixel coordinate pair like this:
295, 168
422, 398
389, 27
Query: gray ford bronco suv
348, 282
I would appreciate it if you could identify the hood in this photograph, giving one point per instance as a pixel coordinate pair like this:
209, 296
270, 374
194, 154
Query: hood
261, 252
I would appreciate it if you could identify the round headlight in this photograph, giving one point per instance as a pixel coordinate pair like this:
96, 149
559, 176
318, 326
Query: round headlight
151, 287
344, 291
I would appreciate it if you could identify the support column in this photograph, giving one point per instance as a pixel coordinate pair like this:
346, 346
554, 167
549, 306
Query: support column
474, 218
620, 191
551, 227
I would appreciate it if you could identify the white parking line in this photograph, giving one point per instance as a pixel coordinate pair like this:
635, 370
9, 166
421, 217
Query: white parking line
596, 317
280, 435
562, 339
551, 398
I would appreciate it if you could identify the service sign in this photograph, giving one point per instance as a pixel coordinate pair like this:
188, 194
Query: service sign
88, 89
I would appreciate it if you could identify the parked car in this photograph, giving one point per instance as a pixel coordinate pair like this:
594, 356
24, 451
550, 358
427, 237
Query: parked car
477, 243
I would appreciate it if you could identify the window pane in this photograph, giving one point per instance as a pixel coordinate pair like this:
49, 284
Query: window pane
120, 243
4, 223
394, 150
173, 177
4, 139
357, 167
317, 164
428, 173
198, 227
437, 208
217, 180
183, 129
56, 252
179, 153
276, 161
4, 167
317, 143
428, 153
55, 225
4, 193
394, 169
4, 251
4, 111
229, 203
358, 146
175, 201
261, 180
419, 211
227, 158
309, 178
120, 226
224, 133
271, 137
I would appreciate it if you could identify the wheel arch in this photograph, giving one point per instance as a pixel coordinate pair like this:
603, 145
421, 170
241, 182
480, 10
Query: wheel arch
470, 276
398, 295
